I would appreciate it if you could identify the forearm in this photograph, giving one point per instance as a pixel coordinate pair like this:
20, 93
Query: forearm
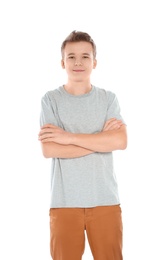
54, 150
70, 145
107, 141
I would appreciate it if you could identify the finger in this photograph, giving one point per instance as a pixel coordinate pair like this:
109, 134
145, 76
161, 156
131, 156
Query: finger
48, 126
45, 136
115, 122
113, 125
47, 140
110, 121
48, 130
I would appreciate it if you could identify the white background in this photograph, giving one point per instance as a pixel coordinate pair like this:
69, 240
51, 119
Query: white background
131, 53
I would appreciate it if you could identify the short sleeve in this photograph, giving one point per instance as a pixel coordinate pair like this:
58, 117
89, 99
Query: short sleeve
48, 114
113, 110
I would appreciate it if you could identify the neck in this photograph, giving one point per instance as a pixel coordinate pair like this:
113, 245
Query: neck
78, 88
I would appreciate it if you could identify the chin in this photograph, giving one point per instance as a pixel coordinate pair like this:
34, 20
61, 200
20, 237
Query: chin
79, 79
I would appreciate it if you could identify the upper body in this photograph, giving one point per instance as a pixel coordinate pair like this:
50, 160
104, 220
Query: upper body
81, 126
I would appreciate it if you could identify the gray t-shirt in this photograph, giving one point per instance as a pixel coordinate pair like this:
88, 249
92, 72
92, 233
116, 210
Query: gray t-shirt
90, 180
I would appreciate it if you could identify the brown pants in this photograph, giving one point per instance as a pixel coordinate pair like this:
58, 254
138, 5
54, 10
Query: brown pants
102, 224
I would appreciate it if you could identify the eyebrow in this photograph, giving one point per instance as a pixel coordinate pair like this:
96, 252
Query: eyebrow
85, 53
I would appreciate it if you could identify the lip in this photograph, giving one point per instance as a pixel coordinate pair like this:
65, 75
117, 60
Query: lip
78, 70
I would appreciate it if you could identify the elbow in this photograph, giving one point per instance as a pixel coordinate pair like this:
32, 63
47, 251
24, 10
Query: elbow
45, 151
123, 144
123, 139
46, 155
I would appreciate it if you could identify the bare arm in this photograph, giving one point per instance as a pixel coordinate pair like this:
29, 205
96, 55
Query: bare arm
55, 150
60, 144
106, 141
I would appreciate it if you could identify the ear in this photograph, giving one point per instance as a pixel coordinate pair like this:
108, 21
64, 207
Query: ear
94, 64
62, 64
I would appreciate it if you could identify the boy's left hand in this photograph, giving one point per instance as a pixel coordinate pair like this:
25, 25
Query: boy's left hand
112, 124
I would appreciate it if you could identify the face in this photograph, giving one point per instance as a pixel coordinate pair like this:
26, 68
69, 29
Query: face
78, 61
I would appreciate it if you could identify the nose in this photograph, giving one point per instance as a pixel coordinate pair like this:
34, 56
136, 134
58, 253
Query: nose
78, 63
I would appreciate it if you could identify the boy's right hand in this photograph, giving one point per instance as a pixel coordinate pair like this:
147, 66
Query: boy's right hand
112, 124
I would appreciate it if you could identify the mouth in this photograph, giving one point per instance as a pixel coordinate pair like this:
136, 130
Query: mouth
78, 70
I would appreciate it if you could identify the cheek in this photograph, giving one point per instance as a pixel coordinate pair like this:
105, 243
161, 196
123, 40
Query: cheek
67, 64
90, 66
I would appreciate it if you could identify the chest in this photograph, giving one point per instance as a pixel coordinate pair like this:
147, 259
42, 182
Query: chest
82, 115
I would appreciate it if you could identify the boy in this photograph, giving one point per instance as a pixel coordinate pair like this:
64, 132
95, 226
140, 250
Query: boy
80, 127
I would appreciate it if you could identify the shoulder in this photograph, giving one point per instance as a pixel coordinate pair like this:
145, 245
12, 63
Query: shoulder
51, 94
109, 95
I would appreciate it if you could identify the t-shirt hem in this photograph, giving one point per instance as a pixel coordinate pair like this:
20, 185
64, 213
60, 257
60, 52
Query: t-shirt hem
86, 206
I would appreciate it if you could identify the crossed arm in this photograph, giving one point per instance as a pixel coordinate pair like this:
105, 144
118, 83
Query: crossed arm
58, 143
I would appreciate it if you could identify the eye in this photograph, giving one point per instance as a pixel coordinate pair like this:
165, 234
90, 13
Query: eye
71, 57
85, 57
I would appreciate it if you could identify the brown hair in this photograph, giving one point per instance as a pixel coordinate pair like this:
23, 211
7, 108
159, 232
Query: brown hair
78, 36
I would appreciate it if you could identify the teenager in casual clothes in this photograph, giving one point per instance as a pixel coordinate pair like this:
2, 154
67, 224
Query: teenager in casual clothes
81, 126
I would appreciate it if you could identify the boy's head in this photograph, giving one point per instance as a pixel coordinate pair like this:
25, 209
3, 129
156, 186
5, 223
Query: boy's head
78, 36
